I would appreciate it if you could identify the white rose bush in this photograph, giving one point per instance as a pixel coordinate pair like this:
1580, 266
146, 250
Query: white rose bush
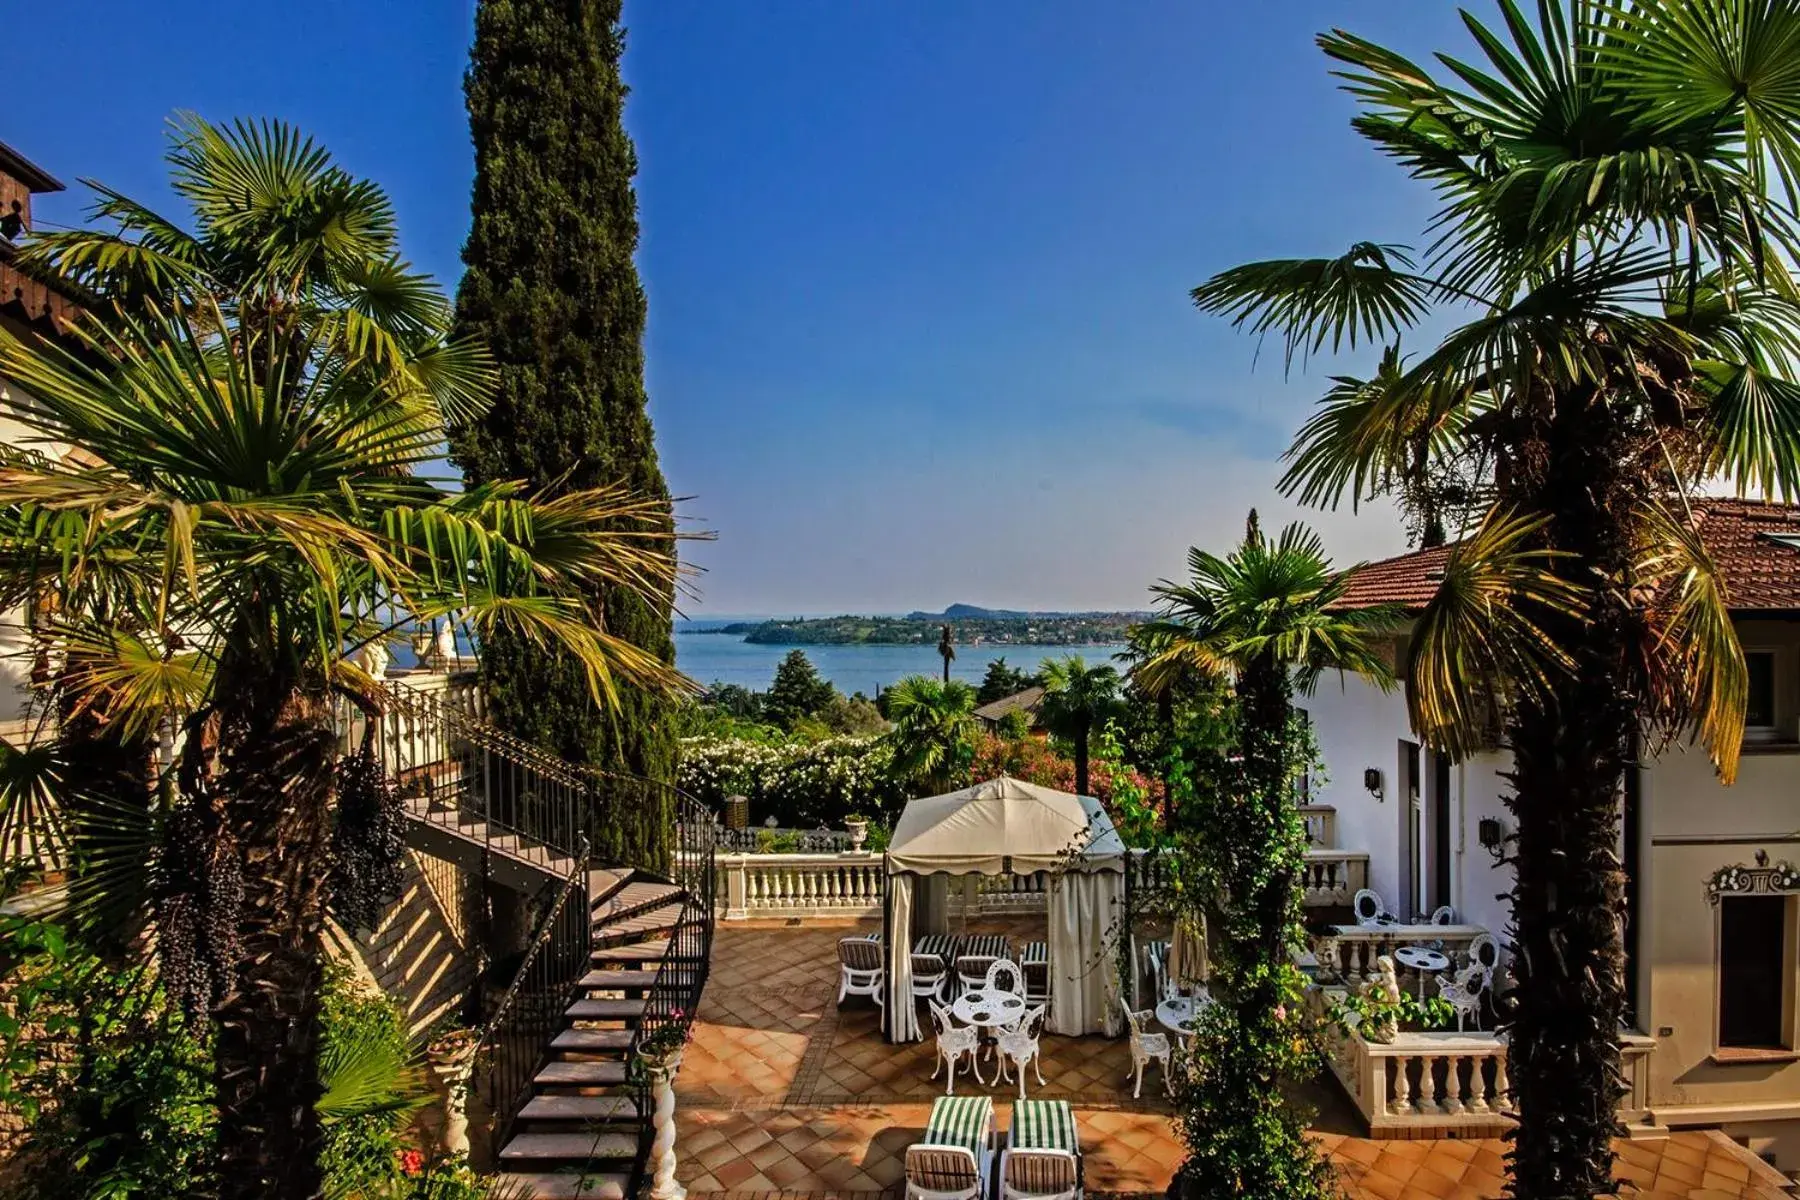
803, 785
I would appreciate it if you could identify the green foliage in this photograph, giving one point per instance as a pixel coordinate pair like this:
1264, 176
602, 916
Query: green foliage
118, 1089
371, 1083
802, 785
797, 691
1408, 1012
1264, 614
368, 842
935, 731
1001, 681
1014, 725
552, 289
1078, 700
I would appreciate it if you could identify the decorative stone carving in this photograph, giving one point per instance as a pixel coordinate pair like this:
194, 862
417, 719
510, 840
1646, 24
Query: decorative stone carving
1781, 879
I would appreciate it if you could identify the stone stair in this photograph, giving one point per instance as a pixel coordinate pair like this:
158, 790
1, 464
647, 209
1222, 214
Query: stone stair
578, 1134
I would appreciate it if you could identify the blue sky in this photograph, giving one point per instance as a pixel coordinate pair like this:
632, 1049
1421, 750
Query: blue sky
918, 269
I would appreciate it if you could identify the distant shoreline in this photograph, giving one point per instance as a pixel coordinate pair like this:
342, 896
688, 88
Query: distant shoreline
969, 626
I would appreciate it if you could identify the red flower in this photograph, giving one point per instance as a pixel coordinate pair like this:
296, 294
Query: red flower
412, 1161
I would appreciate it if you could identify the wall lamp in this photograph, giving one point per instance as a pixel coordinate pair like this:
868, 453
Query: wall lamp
1372, 781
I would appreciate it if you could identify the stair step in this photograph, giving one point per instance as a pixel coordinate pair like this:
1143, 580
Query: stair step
605, 1010
564, 1186
618, 979
591, 1041
582, 1147
580, 1074
635, 952
635, 897
644, 925
605, 882
579, 1108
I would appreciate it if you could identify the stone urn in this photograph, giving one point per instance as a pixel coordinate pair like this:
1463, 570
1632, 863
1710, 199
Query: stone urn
452, 1059
859, 832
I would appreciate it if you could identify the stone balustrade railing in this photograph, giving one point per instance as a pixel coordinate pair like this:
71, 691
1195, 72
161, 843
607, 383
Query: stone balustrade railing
1321, 825
801, 841
1329, 879
848, 884
799, 885
1451, 1083
1347, 953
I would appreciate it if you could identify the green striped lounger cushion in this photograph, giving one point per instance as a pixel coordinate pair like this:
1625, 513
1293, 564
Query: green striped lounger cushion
960, 1121
1044, 1125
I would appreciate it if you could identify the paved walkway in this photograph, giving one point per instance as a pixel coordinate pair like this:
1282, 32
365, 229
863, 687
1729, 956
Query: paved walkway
783, 1094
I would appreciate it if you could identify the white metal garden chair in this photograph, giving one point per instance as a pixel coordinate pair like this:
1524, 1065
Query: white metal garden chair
952, 1044
1020, 1044
1484, 948
1146, 1047
861, 971
1368, 908
1443, 914
1004, 975
1466, 991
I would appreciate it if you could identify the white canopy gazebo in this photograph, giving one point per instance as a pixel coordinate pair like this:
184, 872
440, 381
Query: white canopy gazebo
1004, 827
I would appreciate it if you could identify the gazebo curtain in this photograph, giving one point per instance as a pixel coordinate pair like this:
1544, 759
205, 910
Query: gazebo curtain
1086, 915
898, 1013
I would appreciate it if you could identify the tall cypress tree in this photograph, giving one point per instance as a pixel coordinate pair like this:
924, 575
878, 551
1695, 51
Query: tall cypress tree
552, 288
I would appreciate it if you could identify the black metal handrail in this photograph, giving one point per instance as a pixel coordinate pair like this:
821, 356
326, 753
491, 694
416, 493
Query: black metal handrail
531, 1009
532, 806
681, 977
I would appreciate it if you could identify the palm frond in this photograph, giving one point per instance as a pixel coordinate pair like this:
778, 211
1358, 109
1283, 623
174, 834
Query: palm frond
1693, 660
1367, 294
1479, 640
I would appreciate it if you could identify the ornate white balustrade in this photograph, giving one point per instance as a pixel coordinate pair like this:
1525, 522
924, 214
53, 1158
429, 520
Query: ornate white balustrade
800, 885
1451, 1082
1329, 878
1348, 952
847, 885
1321, 825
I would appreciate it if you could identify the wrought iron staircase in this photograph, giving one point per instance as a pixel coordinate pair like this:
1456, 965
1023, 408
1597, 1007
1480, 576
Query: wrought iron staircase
620, 951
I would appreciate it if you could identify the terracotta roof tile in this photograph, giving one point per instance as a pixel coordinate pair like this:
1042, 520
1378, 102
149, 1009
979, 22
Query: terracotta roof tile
1756, 545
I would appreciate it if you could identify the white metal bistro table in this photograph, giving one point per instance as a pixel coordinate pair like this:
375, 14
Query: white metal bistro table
1424, 960
1178, 1014
988, 1010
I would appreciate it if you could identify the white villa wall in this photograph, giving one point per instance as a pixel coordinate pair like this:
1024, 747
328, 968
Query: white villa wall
1358, 726
15, 666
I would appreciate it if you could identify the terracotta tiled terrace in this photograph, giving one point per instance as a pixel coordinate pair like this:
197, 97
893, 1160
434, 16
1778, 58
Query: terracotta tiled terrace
783, 1093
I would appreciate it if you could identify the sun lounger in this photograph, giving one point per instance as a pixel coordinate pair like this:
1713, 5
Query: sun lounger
1042, 1160
955, 1158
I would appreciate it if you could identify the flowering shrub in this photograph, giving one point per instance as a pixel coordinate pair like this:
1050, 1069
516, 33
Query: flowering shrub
1035, 760
801, 785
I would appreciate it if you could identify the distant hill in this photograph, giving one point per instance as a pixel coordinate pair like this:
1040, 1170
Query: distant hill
974, 612
970, 626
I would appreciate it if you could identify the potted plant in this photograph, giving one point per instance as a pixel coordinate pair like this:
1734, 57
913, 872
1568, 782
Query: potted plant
1379, 1011
858, 825
659, 1051
450, 1049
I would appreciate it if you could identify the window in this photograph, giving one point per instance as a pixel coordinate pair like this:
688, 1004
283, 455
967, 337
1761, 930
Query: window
1759, 713
1756, 970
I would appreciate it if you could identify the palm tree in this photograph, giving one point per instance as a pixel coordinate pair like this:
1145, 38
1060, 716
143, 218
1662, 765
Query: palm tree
236, 517
934, 730
1266, 618
1613, 268
946, 651
1078, 699
287, 242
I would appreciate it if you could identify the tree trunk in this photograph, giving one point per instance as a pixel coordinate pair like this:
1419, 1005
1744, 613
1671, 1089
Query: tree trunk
1081, 760
1569, 755
275, 779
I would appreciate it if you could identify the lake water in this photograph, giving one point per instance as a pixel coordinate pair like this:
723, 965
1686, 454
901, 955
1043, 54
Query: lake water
709, 658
